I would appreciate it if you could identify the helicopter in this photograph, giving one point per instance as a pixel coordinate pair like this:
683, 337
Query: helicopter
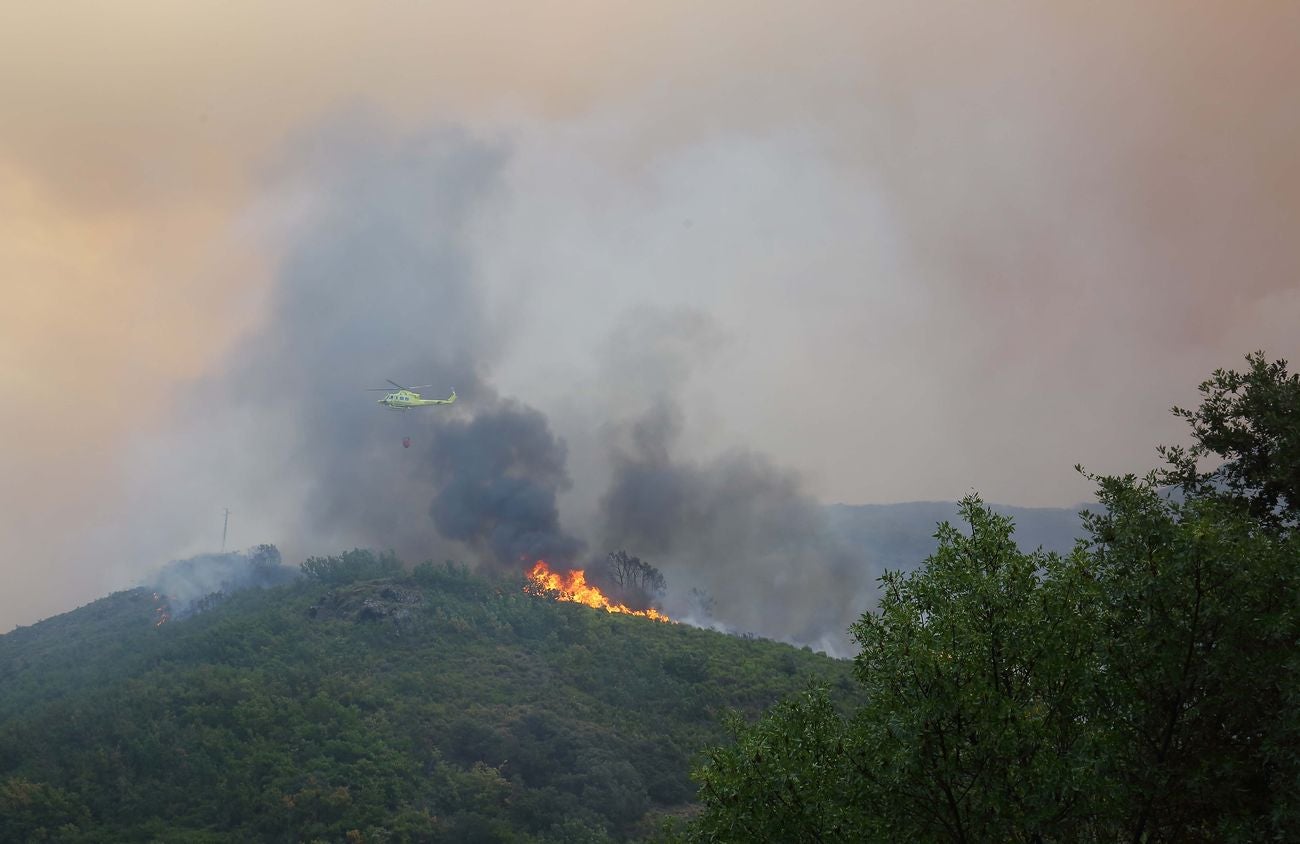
405, 398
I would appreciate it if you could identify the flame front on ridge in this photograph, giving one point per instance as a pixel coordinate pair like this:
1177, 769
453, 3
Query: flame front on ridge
573, 586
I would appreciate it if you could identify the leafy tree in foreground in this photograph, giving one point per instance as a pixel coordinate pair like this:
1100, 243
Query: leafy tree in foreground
1248, 421
1144, 688
972, 730
1196, 668
796, 775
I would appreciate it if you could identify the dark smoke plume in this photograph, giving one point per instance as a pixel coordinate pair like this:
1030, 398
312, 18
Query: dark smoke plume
735, 529
496, 479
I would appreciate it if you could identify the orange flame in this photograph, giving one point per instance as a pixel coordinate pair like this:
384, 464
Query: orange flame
574, 587
163, 615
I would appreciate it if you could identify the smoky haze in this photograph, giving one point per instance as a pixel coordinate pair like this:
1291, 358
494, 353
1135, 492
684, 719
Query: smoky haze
732, 529
378, 278
183, 585
913, 250
742, 531
374, 281
378, 282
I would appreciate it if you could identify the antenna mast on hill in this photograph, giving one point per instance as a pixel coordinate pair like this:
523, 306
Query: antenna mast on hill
225, 524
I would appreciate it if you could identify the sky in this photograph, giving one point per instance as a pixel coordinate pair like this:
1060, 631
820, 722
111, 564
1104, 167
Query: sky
836, 251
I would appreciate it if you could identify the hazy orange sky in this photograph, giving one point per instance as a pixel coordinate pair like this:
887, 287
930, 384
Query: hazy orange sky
923, 248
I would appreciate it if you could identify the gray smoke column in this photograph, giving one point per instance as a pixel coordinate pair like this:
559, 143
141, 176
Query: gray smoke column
734, 525
496, 478
377, 280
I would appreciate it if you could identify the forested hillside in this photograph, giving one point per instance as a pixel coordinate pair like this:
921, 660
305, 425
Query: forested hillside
429, 706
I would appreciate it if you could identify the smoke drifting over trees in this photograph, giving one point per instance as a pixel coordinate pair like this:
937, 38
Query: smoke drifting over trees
377, 281
740, 529
185, 584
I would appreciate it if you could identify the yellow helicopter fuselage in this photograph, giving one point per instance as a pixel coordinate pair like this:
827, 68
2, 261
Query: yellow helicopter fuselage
406, 399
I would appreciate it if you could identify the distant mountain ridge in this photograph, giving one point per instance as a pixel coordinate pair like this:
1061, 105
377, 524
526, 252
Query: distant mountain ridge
901, 536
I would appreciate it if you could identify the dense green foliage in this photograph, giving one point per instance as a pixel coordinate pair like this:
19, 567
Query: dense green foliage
1145, 687
1248, 421
350, 566
428, 706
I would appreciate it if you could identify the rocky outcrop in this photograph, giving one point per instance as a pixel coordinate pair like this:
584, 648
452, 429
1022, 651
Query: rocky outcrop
368, 603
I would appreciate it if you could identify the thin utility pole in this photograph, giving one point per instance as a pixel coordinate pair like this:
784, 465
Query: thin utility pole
224, 525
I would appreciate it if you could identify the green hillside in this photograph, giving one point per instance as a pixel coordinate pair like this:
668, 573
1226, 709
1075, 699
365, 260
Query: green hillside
430, 706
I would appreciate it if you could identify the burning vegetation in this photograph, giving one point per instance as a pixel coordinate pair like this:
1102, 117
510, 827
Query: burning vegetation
573, 586
196, 584
163, 611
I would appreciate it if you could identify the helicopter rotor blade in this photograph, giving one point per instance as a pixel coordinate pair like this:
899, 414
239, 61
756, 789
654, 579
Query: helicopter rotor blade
398, 386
